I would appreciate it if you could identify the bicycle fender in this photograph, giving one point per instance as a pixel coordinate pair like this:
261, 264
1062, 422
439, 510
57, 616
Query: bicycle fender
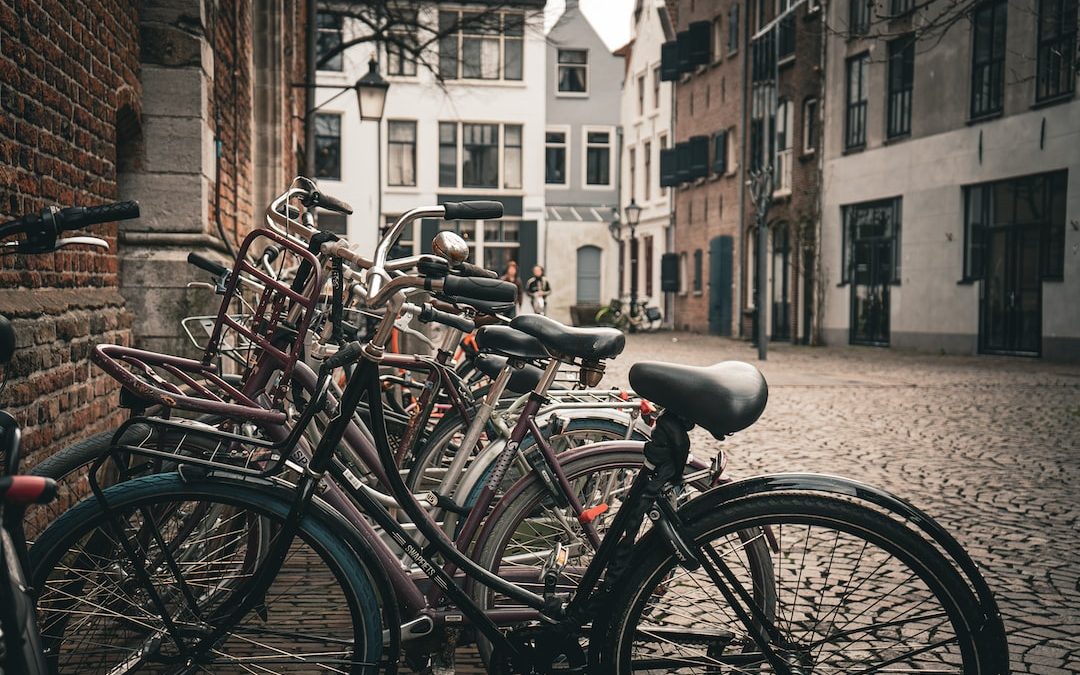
992, 633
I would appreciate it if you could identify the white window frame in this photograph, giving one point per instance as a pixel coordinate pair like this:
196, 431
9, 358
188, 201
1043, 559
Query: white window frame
502, 37
501, 180
785, 116
732, 153
610, 131
588, 74
567, 145
415, 154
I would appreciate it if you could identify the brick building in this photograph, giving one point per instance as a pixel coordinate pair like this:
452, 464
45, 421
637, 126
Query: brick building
783, 90
706, 62
182, 105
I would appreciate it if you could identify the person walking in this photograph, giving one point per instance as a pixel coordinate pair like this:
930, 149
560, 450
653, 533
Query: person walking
538, 289
511, 275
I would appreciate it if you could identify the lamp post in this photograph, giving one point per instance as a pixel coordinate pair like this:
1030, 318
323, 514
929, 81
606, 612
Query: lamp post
371, 92
632, 212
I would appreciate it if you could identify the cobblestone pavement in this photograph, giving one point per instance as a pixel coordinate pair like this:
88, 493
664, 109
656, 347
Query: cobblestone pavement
988, 446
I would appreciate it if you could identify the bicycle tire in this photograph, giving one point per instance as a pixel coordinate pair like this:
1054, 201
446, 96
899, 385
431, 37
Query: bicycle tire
648, 583
357, 599
491, 544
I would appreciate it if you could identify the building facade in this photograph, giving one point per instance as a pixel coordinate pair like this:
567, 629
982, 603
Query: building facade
952, 181
465, 121
580, 166
705, 168
646, 135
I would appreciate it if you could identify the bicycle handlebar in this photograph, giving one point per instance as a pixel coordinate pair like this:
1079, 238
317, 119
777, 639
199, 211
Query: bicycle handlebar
478, 288
210, 266
472, 210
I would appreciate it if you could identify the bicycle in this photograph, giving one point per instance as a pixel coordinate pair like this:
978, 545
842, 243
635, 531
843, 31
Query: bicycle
636, 317
614, 621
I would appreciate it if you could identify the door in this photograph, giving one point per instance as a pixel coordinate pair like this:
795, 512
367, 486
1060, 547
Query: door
871, 276
720, 285
588, 275
781, 283
1011, 306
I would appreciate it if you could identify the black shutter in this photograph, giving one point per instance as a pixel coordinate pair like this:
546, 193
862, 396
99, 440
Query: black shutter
699, 42
699, 157
428, 229
686, 61
527, 248
669, 61
719, 162
668, 168
682, 162
669, 273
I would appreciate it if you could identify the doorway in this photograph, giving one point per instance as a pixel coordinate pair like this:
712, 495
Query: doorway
1011, 307
872, 230
781, 282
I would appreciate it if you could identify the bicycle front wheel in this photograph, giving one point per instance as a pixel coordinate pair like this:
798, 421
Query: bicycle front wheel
856, 592
201, 544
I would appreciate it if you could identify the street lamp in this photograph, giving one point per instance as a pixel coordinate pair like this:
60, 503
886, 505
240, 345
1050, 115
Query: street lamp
632, 212
371, 98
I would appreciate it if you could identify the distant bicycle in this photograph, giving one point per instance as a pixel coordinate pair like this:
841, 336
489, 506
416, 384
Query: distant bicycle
633, 317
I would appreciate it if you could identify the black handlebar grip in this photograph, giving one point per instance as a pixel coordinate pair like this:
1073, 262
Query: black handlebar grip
473, 210
77, 217
494, 290
467, 269
429, 314
343, 356
271, 253
329, 203
207, 264
23, 490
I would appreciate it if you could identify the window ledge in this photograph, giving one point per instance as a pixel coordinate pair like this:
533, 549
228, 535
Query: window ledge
984, 118
899, 138
510, 84
786, 61
807, 155
698, 294
854, 149
967, 282
571, 94
842, 284
1053, 100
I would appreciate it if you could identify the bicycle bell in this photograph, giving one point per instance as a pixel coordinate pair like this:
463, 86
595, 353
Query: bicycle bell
451, 246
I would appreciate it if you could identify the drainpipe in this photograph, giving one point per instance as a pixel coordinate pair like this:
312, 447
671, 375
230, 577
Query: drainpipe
671, 209
744, 278
309, 91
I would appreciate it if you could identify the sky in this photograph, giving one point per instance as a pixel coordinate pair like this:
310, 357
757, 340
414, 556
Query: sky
610, 18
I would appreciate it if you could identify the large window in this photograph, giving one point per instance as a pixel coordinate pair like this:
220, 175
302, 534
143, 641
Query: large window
328, 146
810, 126
646, 153
901, 82
555, 157
401, 47
656, 87
1057, 49
871, 221
1032, 202
855, 117
988, 57
573, 71
484, 45
859, 16
733, 29
328, 26
401, 153
469, 155
762, 123
783, 165
597, 158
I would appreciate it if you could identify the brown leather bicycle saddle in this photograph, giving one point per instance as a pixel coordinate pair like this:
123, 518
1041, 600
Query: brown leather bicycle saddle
722, 399
591, 344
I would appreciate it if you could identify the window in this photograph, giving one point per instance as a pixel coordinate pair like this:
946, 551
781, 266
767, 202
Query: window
448, 155
810, 125
762, 122
733, 29
867, 222
555, 158
641, 95
648, 265
656, 87
401, 153
501, 244
719, 163
697, 271
859, 17
401, 47
647, 157
782, 167
329, 37
1057, 49
855, 117
785, 36
481, 147
684, 282
1032, 202
901, 81
717, 39
988, 58
732, 150
573, 71
328, 146
598, 157
338, 223
485, 45
900, 7
632, 167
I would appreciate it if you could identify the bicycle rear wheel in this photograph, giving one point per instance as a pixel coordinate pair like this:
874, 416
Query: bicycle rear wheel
856, 592
201, 543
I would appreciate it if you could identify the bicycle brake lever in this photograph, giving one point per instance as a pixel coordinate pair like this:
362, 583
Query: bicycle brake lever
82, 241
402, 324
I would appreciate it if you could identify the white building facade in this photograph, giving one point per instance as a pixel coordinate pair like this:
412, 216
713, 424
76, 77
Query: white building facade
464, 122
645, 113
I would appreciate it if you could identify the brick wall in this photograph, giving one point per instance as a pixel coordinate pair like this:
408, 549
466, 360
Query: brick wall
66, 69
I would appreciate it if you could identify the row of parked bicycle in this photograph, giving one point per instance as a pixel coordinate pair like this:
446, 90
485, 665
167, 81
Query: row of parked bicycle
308, 496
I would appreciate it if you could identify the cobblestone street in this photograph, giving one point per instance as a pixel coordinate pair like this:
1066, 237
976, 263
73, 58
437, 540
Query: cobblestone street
988, 446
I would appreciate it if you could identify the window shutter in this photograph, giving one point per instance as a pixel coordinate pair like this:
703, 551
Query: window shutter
669, 61
719, 163
699, 42
668, 168
527, 252
686, 61
699, 156
669, 273
428, 229
682, 162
